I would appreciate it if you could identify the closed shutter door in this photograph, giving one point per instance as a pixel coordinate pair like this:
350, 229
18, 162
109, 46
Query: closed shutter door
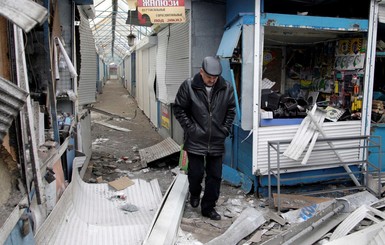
173, 60
88, 65
161, 57
146, 70
151, 81
139, 78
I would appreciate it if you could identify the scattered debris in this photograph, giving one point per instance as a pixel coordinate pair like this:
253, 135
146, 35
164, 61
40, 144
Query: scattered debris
129, 207
158, 151
274, 216
109, 113
100, 141
166, 223
113, 126
304, 213
296, 201
363, 212
121, 183
247, 222
118, 196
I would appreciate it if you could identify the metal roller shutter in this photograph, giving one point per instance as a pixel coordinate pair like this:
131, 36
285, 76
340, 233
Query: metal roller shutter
88, 65
173, 60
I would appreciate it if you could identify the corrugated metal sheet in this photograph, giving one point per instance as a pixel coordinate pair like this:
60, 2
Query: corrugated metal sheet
361, 213
153, 115
88, 65
161, 61
12, 99
145, 77
174, 53
146, 65
101, 69
24, 13
287, 132
86, 214
372, 235
178, 57
140, 73
158, 151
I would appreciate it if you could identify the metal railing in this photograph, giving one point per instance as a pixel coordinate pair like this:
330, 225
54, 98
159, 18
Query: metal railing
365, 168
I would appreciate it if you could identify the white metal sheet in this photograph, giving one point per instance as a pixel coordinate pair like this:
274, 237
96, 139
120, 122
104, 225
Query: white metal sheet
153, 115
161, 60
86, 214
25, 14
88, 65
140, 70
247, 77
287, 132
146, 75
173, 60
372, 235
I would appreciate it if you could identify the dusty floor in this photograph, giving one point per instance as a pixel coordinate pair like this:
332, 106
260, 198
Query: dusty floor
115, 153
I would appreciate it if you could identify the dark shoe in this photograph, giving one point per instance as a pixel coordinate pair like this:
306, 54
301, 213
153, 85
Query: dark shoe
194, 201
212, 215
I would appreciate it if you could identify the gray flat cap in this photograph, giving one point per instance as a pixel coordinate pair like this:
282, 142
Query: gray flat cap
212, 66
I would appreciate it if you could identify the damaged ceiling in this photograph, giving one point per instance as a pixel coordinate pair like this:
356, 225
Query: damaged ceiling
111, 22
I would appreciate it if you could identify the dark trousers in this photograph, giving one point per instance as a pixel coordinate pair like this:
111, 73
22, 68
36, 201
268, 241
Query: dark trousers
197, 165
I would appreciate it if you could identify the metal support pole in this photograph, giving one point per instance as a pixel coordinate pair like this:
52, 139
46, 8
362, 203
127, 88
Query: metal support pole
27, 118
320, 129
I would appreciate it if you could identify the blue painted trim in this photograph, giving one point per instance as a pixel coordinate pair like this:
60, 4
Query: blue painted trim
281, 121
377, 132
235, 146
236, 97
298, 21
17, 238
314, 22
380, 54
230, 40
70, 152
236, 178
308, 176
240, 16
248, 19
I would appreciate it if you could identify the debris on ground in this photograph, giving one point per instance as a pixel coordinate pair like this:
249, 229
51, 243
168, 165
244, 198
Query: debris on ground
129, 207
121, 183
116, 154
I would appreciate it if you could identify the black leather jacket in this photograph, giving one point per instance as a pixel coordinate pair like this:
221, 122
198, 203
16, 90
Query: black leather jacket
206, 124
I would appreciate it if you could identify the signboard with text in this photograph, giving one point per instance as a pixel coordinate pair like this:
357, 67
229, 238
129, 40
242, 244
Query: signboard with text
162, 11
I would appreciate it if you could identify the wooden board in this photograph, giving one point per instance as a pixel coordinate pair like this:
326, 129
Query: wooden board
289, 201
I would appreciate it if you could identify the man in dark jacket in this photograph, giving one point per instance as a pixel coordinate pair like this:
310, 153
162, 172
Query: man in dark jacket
205, 108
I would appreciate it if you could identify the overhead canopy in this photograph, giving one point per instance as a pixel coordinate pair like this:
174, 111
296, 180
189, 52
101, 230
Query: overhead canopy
111, 26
